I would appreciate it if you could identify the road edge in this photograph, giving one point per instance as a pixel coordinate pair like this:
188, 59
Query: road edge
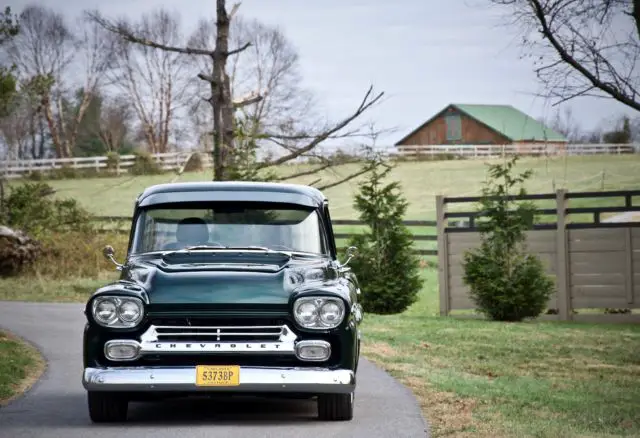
408, 392
33, 378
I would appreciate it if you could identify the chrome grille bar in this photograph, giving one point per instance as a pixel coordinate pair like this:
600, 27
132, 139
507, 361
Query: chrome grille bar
217, 339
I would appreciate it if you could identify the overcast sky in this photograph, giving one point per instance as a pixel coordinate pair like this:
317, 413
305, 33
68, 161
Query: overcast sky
424, 54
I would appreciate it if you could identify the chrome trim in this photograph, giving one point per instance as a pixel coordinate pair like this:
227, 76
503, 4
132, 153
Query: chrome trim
324, 344
278, 340
357, 312
252, 379
319, 301
117, 300
270, 332
121, 342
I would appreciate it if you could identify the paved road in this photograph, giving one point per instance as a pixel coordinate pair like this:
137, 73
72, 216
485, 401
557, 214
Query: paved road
56, 405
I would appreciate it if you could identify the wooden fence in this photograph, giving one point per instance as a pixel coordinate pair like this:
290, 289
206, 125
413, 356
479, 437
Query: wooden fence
423, 231
595, 264
532, 149
175, 160
18, 168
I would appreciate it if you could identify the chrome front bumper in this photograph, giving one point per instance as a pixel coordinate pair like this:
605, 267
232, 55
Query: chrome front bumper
252, 379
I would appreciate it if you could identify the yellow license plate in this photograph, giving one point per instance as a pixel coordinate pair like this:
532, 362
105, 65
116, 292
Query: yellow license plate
224, 375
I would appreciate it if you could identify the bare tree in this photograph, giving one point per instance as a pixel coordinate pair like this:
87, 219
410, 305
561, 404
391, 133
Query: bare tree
582, 47
50, 57
223, 105
14, 130
270, 66
113, 125
42, 51
154, 80
565, 123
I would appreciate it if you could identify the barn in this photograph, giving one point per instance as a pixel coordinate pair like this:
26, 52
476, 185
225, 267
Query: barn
478, 124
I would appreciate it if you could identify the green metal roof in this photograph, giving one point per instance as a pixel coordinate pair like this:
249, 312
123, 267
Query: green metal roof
504, 119
510, 122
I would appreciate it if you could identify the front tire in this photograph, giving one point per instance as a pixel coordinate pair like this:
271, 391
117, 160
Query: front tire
335, 407
105, 407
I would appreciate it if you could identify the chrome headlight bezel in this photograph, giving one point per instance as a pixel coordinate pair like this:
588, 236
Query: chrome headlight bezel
318, 302
117, 320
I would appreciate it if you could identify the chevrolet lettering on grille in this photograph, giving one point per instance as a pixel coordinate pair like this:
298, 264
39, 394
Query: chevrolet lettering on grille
282, 339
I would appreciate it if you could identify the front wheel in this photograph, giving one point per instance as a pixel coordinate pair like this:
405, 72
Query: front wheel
105, 407
335, 407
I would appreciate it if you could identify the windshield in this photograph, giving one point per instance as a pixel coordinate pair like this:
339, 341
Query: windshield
229, 224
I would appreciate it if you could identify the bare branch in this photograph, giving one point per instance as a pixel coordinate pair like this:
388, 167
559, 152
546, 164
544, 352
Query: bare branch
366, 103
249, 100
306, 172
346, 179
586, 45
124, 31
240, 49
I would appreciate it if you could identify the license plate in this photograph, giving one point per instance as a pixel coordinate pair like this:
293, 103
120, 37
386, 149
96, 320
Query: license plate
226, 375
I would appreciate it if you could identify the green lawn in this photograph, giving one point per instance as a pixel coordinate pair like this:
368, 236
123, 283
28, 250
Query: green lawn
421, 182
480, 378
20, 367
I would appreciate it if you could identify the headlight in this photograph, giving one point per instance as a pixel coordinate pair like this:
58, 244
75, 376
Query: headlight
318, 312
117, 312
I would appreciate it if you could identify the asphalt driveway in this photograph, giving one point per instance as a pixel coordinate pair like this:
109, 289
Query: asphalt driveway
56, 405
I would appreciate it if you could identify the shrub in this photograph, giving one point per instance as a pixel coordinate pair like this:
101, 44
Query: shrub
144, 164
31, 208
386, 266
36, 221
35, 175
505, 282
77, 254
64, 172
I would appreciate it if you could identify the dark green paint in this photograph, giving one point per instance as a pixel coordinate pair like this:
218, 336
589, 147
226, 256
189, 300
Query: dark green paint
230, 285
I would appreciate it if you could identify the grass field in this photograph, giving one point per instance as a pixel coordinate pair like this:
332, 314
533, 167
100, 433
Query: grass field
472, 378
421, 182
20, 366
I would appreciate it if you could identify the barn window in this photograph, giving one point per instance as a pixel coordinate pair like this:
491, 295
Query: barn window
454, 127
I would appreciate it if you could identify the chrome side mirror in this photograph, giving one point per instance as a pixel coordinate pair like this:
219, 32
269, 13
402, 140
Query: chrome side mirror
352, 252
108, 253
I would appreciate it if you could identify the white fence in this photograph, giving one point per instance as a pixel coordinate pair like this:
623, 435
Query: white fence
175, 160
488, 151
166, 161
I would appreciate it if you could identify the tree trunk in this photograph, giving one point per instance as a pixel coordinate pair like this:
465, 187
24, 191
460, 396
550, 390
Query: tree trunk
221, 102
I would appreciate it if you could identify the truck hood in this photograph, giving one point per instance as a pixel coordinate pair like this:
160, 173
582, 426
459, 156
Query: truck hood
227, 280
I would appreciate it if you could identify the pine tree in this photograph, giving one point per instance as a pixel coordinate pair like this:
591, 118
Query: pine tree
386, 267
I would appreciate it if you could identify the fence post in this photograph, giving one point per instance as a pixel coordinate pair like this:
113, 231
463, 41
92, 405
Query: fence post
443, 256
629, 280
562, 258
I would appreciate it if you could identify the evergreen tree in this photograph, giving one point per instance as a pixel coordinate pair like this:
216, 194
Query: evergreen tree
506, 282
386, 267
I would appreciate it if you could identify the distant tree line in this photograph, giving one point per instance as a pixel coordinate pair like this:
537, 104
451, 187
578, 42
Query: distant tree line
95, 85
